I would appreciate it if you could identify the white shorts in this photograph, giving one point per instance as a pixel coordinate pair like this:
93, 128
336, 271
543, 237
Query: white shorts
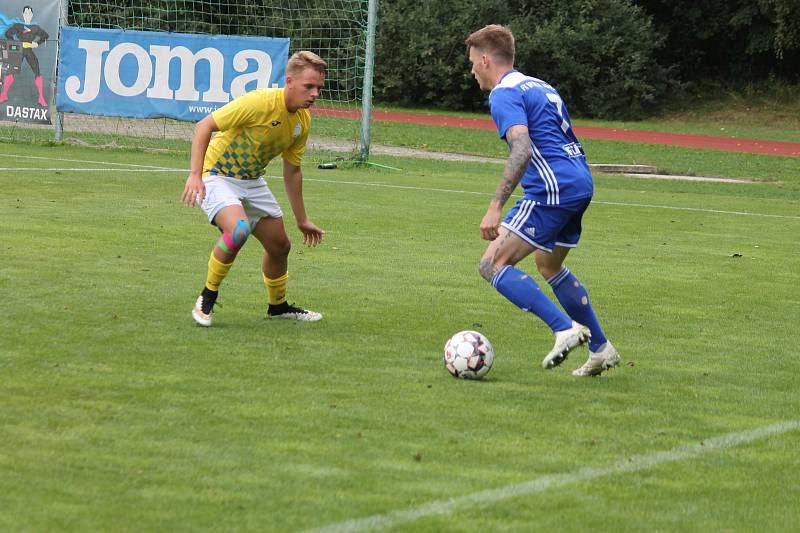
253, 195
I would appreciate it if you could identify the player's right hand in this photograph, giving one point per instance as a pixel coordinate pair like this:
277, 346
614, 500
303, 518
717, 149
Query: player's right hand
490, 224
194, 192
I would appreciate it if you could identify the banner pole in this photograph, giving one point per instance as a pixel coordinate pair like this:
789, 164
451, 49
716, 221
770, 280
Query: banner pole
62, 21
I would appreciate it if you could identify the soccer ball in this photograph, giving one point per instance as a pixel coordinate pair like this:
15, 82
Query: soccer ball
468, 355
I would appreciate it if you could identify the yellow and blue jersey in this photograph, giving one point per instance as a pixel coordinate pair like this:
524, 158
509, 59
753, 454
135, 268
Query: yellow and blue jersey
253, 130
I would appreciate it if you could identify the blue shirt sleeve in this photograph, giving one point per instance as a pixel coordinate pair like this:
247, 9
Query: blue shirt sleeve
507, 110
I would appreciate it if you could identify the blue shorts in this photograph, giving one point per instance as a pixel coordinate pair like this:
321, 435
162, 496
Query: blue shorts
547, 226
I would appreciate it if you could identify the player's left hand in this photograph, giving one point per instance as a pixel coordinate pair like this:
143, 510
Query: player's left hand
312, 235
34, 44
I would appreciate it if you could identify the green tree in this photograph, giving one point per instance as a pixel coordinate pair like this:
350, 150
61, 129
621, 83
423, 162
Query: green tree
728, 39
599, 53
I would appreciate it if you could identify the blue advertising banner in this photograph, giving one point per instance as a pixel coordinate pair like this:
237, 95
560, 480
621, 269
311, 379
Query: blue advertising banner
28, 30
145, 74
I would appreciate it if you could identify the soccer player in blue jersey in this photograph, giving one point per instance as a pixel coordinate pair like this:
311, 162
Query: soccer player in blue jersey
549, 162
226, 179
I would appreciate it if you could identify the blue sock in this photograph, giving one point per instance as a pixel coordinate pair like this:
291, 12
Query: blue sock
575, 300
521, 290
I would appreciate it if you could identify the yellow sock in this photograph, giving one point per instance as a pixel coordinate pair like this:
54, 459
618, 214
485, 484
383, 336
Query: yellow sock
276, 289
217, 270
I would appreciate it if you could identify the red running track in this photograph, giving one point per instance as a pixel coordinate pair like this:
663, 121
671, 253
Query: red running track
753, 146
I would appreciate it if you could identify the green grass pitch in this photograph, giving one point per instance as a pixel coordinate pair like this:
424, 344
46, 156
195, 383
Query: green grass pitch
117, 413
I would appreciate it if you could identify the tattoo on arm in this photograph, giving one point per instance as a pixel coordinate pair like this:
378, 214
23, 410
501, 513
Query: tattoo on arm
520, 147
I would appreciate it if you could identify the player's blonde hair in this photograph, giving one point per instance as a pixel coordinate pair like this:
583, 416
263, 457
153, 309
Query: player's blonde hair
494, 40
305, 59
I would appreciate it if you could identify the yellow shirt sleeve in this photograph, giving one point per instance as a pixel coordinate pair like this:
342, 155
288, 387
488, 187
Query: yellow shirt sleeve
242, 112
294, 154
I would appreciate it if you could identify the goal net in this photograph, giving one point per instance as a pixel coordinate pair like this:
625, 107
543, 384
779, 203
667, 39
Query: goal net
334, 29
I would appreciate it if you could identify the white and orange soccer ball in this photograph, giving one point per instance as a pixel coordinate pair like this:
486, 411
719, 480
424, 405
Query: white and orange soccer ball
468, 355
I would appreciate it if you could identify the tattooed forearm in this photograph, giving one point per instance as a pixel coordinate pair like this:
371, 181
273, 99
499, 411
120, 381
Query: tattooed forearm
520, 153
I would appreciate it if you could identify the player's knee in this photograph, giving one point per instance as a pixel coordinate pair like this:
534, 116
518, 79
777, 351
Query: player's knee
487, 269
547, 271
280, 247
232, 242
543, 270
285, 247
240, 233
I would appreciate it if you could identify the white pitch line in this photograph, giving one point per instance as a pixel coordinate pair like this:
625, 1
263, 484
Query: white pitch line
634, 463
390, 186
154, 169
623, 204
18, 156
697, 209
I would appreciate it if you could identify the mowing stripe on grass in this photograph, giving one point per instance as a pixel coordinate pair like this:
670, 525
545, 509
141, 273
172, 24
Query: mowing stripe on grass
635, 463
622, 204
386, 185
425, 189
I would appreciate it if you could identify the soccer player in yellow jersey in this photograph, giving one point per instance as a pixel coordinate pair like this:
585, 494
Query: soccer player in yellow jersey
226, 179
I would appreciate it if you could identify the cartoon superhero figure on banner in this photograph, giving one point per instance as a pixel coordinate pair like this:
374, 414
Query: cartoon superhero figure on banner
22, 38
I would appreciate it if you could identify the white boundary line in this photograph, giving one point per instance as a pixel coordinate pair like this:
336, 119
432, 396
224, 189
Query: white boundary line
363, 184
697, 209
542, 484
623, 204
18, 156
152, 169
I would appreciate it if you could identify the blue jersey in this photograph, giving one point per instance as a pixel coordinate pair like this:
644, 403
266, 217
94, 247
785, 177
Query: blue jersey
557, 172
